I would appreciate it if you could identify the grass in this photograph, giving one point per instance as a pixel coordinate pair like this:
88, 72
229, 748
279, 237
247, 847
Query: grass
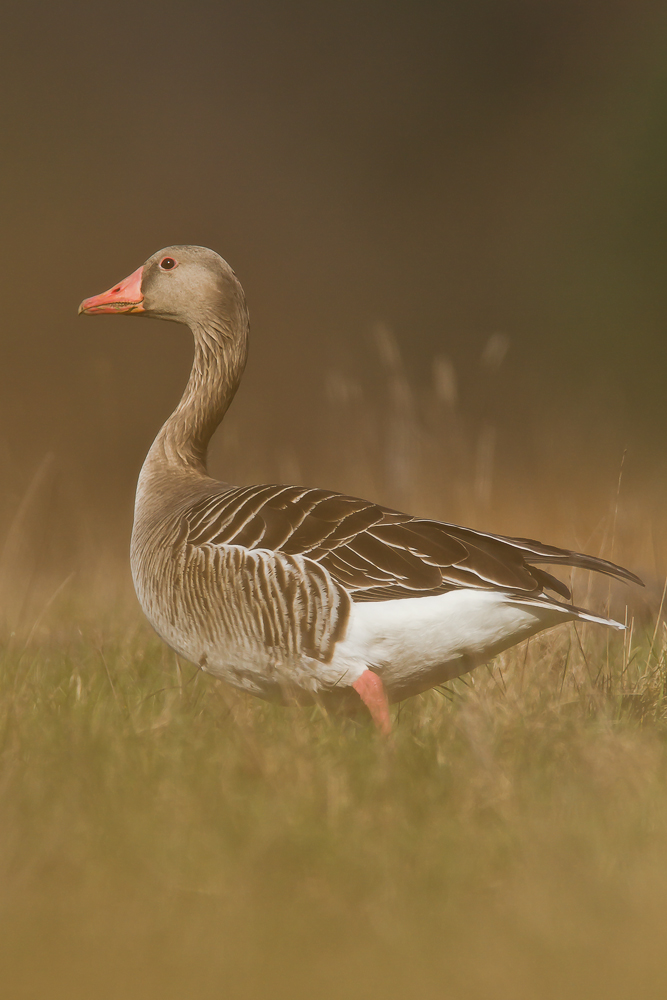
164, 836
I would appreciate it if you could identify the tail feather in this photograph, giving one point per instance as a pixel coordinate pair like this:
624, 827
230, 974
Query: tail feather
571, 610
586, 616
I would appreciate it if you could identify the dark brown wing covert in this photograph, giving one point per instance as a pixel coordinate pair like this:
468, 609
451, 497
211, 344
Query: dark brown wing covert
375, 553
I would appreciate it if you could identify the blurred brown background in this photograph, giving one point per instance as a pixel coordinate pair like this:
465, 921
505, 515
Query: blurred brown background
478, 187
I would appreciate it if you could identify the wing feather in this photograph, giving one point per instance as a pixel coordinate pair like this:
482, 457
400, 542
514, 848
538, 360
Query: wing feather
374, 553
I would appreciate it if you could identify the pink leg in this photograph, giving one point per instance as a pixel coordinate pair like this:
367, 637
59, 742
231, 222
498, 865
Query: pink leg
371, 690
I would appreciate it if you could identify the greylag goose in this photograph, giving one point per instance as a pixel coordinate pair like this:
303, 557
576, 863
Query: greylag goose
293, 593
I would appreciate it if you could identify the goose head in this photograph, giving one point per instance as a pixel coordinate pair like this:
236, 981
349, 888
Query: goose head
186, 284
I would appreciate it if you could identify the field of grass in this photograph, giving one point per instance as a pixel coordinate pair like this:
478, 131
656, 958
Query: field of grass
162, 836
165, 837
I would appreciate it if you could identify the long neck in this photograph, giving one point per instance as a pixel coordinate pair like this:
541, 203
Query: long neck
220, 357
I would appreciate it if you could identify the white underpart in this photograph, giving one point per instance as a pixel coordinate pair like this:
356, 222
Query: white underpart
416, 643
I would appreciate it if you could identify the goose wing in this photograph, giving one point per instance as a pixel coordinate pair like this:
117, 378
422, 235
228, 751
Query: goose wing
376, 553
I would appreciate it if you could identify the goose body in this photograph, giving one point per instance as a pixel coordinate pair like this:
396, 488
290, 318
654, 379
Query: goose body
295, 593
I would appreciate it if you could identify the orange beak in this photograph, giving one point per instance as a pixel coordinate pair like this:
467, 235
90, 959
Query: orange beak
123, 298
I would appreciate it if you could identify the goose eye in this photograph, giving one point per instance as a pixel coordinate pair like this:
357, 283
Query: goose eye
167, 263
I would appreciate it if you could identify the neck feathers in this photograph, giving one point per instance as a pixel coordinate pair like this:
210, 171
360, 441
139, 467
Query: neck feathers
221, 350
